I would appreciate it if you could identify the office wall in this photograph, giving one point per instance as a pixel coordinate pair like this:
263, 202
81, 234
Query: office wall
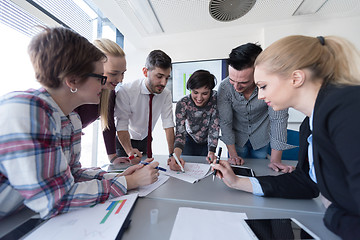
219, 46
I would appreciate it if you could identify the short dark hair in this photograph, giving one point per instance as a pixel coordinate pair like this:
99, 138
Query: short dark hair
244, 56
158, 58
59, 52
201, 78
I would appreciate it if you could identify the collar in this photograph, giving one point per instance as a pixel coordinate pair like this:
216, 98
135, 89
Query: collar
143, 88
311, 119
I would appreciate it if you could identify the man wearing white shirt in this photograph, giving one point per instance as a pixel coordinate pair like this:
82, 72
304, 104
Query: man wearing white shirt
132, 107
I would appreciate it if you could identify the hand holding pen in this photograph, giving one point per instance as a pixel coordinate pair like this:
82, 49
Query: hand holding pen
143, 175
217, 162
210, 157
135, 156
178, 163
159, 168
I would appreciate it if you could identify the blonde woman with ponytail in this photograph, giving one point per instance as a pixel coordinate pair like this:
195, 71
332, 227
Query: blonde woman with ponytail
318, 76
114, 69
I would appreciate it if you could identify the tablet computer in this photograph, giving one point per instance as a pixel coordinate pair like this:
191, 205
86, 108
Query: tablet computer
243, 171
280, 228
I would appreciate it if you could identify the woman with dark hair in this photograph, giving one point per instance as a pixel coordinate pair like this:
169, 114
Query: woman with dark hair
197, 121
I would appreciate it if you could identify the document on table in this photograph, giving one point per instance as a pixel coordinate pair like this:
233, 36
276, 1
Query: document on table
102, 221
145, 190
193, 172
192, 223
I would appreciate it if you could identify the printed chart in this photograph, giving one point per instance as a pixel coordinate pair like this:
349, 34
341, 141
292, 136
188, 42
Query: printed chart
101, 221
111, 208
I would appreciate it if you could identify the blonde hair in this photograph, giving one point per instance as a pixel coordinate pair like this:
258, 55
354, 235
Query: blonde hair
333, 59
113, 49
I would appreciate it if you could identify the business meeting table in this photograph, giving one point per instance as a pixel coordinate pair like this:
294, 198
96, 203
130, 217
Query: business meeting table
210, 195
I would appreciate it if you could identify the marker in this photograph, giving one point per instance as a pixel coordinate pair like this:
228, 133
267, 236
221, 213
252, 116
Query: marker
178, 162
217, 161
133, 156
159, 168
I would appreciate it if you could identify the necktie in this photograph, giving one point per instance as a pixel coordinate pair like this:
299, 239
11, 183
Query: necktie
149, 138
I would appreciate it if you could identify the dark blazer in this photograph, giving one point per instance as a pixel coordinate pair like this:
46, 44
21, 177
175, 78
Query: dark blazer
336, 139
336, 145
298, 183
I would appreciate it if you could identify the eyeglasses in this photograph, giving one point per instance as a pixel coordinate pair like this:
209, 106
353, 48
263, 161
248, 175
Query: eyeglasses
100, 77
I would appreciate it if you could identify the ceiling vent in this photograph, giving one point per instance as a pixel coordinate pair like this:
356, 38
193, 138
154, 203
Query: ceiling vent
229, 10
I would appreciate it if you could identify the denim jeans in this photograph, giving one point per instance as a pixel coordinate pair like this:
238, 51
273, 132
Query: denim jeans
194, 149
247, 151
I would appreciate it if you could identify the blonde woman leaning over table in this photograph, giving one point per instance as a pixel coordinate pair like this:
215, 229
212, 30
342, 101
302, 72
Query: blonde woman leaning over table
320, 77
114, 70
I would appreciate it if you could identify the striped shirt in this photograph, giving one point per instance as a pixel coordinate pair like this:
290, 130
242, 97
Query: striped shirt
242, 120
39, 159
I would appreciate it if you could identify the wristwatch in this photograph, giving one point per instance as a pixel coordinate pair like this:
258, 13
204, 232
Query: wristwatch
112, 160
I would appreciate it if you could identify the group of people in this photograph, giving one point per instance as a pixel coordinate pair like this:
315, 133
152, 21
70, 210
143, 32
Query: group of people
41, 130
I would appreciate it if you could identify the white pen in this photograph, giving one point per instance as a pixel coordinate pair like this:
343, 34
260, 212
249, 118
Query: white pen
178, 162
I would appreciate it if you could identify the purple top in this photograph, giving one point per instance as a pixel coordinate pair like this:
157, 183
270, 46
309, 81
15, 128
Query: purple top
90, 112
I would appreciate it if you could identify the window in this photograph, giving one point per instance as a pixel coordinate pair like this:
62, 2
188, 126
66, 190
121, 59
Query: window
19, 25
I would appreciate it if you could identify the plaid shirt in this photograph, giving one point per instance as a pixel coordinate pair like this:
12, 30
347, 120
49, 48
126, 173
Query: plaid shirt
39, 159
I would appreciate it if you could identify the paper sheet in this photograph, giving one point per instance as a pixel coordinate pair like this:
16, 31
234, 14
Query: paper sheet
192, 223
193, 172
145, 190
102, 221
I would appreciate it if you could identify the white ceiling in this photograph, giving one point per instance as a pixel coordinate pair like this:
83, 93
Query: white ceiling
192, 16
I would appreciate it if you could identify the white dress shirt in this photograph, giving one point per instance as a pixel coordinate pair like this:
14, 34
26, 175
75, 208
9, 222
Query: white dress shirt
132, 109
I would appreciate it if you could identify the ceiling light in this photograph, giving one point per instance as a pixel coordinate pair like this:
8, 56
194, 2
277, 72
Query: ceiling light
309, 7
145, 13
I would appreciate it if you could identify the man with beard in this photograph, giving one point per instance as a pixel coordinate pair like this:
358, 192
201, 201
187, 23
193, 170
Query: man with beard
139, 105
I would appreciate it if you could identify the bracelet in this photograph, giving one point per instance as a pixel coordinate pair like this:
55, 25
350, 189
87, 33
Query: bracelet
171, 154
115, 157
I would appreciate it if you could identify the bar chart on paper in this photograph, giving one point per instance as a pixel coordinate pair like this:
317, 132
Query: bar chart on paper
111, 208
100, 221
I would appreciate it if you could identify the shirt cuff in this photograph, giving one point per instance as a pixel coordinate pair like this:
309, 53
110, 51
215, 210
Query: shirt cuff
122, 181
119, 179
179, 145
122, 126
280, 146
257, 190
212, 149
168, 123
